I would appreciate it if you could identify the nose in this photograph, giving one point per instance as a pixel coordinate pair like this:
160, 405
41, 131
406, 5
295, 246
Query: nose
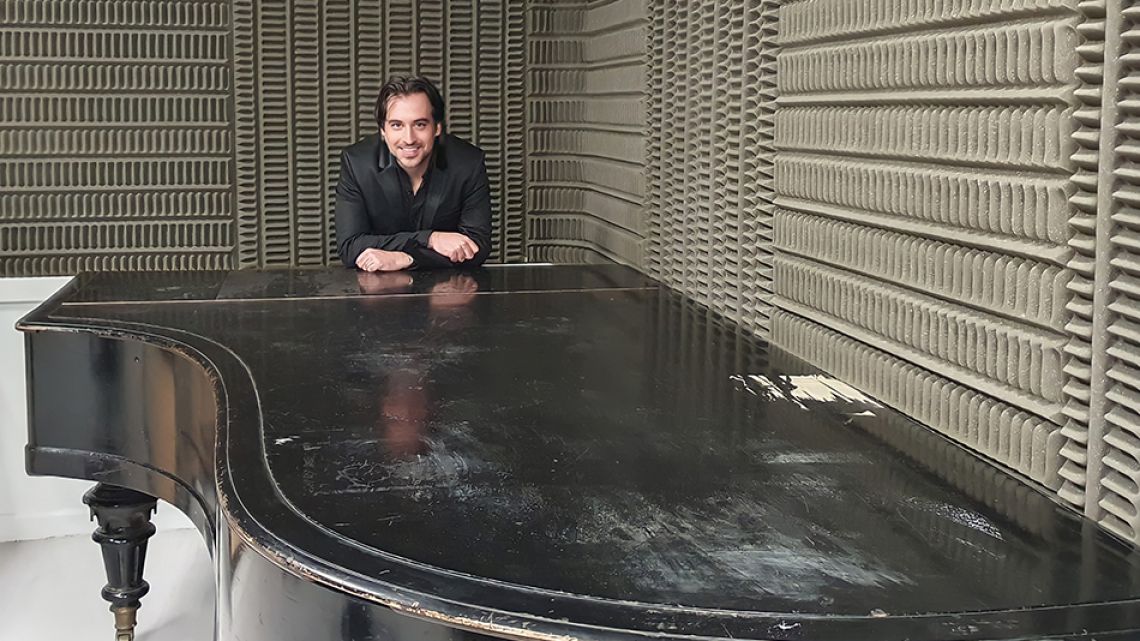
409, 135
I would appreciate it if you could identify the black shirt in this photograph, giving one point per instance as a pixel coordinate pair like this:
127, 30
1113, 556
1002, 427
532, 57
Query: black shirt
413, 203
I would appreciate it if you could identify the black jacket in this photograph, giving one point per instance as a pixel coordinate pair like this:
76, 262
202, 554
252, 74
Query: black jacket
370, 211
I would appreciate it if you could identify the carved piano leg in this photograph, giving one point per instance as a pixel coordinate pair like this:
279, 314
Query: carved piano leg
124, 527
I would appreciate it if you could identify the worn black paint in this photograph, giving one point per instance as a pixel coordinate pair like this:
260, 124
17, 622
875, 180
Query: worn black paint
559, 447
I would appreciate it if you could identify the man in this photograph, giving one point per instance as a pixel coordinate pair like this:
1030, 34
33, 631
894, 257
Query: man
412, 196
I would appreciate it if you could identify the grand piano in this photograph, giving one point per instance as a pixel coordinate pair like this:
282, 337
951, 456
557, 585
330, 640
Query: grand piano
532, 452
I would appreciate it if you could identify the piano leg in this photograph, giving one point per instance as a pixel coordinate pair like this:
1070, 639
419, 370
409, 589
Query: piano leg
124, 527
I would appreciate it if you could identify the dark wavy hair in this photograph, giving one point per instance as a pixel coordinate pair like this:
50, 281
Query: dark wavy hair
406, 86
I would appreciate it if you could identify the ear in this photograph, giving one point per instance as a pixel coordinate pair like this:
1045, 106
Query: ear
438, 129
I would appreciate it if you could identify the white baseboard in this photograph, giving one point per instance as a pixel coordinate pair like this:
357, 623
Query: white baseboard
27, 527
24, 527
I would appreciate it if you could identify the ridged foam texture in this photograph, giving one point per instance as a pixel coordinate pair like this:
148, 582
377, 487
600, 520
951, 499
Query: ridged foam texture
1021, 365
758, 151
924, 188
712, 84
119, 148
586, 145
1082, 244
115, 145
1113, 438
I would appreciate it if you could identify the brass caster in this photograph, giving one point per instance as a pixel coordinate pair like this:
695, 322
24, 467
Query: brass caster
125, 623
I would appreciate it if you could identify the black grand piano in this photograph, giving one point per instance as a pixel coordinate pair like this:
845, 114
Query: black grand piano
532, 452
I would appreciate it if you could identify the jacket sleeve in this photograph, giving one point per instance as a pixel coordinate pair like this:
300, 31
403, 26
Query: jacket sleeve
353, 229
424, 258
475, 215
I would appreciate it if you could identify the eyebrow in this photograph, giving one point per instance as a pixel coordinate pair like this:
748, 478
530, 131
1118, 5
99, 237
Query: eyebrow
399, 122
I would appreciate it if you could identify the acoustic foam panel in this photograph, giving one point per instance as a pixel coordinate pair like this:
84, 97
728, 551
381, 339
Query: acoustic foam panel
924, 185
1111, 445
147, 134
115, 144
586, 147
711, 109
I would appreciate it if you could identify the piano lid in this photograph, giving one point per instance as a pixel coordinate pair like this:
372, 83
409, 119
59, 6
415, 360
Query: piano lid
577, 444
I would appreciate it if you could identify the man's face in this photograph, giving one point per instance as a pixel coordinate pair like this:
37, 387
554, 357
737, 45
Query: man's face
410, 130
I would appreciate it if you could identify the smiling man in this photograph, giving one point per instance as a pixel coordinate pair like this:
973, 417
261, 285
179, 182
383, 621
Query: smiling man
412, 196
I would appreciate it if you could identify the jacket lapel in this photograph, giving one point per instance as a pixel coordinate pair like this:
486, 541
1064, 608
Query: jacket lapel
384, 173
438, 183
434, 196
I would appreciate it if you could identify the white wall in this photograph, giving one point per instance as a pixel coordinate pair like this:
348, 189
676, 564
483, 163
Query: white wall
36, 507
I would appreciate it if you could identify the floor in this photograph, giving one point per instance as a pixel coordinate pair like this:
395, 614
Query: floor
51, 590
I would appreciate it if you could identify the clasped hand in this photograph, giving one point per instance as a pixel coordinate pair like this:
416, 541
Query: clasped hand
457, 247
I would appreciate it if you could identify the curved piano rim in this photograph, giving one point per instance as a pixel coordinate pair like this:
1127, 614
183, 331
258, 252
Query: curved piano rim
252, 509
